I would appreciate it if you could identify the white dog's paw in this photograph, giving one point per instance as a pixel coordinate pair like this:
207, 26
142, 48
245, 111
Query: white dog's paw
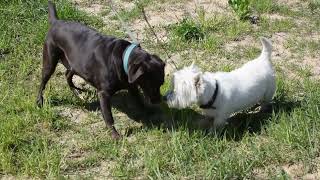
205, 123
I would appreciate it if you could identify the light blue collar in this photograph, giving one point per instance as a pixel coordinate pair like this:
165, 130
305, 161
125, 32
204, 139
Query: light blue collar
126, 56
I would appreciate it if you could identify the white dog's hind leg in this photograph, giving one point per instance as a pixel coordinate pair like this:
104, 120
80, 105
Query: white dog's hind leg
266, 106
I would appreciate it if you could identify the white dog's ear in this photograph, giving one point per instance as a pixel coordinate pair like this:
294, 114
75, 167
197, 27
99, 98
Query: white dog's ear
198, 81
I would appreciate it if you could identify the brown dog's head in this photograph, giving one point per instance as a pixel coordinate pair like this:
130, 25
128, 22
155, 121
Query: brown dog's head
147, 71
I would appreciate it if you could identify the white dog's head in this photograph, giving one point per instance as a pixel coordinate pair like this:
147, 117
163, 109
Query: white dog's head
187, 86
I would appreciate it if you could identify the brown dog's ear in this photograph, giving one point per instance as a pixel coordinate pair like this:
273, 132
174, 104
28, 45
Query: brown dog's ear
135, 71
163, 64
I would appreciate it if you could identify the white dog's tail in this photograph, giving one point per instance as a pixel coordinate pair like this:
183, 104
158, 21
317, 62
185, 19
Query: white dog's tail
267, 47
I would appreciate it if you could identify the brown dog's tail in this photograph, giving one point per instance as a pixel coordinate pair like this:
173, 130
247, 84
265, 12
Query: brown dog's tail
52, 12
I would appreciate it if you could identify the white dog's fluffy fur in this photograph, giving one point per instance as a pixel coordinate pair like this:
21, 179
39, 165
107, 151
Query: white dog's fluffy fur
242, 88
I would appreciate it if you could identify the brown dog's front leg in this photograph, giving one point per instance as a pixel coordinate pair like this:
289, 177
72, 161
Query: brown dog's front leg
105, 105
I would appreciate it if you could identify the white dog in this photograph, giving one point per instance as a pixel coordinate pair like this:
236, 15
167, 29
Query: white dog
222, 93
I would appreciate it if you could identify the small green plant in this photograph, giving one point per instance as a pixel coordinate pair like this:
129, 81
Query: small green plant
241, 7
188, 30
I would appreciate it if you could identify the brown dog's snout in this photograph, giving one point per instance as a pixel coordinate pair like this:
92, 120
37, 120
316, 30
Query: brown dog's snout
165, 98
155, 96
156, 100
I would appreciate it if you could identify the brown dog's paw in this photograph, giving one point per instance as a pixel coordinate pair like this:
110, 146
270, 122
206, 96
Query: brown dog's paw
115, 136
39, 102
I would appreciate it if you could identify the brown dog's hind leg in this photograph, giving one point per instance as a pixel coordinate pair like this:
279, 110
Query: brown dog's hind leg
104, 98
69, 74
50, 60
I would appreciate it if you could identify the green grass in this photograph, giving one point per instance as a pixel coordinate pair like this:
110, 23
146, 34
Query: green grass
26, 146
43, 143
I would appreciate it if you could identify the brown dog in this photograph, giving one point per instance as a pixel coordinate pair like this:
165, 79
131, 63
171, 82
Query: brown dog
99, 60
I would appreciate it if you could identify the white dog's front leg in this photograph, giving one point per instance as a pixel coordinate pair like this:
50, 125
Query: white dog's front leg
219, 118
219, 121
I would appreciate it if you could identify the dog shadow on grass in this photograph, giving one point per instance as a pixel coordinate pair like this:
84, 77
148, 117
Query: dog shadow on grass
151, 116
249, 121
162, 117
254, 122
